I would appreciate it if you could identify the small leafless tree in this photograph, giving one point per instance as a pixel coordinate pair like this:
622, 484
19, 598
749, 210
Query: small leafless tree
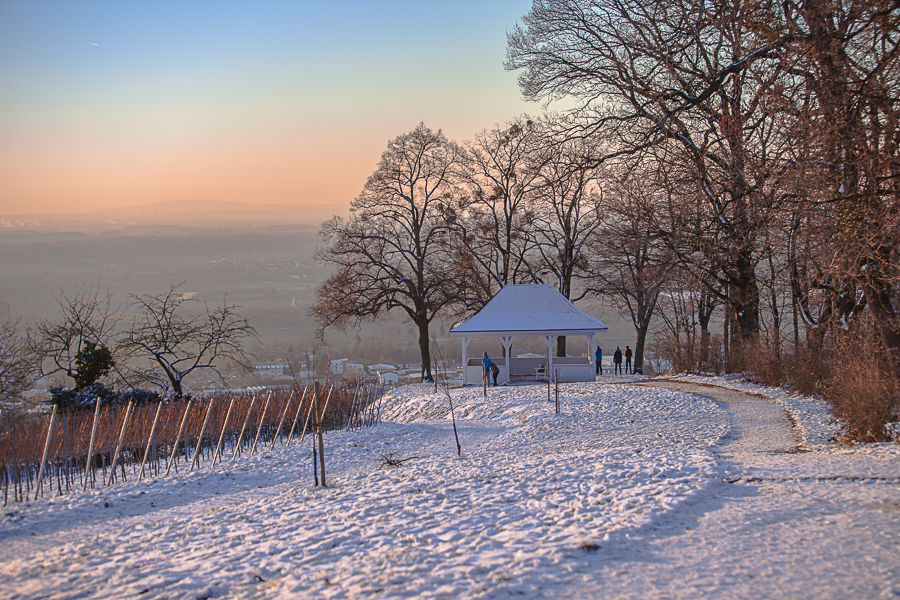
393, 251
685, 309
18, 367
177, 342
87, 316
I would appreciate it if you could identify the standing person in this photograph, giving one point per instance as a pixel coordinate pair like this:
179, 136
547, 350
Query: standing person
628, 361
485, 366
617, 360
495, 370
598, 355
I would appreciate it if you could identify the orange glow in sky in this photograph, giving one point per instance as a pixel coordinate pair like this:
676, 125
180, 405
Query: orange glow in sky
123, 104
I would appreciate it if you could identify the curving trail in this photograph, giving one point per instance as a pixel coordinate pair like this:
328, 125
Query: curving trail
780, 523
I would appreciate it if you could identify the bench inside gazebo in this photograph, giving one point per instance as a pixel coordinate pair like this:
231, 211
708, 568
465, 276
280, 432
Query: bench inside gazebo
528, 310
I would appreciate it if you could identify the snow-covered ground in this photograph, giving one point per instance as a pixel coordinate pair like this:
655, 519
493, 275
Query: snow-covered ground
632, 491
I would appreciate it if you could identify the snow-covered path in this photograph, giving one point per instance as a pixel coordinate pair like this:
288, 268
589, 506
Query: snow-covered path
630, 492
781, 523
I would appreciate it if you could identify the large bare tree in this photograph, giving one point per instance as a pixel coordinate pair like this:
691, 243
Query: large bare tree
683, 77
496, 217
393, 251
566, 211
167, 341
630, 262
845, 62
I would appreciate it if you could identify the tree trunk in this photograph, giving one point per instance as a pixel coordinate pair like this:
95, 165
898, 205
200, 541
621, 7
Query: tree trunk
878, 294
641, 331
424, 348
561, 346
746, 298
703, 317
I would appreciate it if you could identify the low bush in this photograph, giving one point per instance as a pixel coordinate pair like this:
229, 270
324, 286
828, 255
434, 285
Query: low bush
65, 398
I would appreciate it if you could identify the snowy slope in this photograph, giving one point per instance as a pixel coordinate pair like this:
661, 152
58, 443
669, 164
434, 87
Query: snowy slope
538, 505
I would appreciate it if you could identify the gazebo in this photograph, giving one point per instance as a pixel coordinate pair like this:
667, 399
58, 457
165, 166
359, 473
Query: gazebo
525, 311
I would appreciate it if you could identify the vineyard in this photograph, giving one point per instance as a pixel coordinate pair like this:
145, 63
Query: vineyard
81, 448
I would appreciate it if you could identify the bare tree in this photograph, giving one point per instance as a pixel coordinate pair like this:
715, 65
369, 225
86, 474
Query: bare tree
18, 367
495, 221
845, 58
566, 215
685, 308
87, 322
392, 253
630, 262
178, 343
686, 79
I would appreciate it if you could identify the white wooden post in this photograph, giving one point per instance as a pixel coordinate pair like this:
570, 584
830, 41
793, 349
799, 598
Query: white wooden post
89, 463
112, 471
40, 480
465, 358
240, 439
551, 340
222, 435
299, 407
199, 446
174, 454
283, 415
592, 340
150, 439
261, 420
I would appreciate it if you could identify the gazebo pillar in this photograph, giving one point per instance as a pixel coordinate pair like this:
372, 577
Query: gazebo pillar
507, 341
551, 340
592, 339
465, 357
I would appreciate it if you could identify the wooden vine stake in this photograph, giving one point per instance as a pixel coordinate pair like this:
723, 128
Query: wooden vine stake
172, 457
320, 429
222, 435
196, 460
112, 471
90, 463
299, 408
556, 379
40, 486
261, 421
281, 422
240, 439
150, 439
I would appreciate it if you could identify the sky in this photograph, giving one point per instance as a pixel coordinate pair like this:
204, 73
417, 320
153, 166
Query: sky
126, 103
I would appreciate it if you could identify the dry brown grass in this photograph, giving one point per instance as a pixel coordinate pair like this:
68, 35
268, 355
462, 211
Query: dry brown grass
686, 356
861, 390
850, 372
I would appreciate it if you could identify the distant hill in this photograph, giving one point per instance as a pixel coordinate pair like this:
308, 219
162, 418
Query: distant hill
183, 213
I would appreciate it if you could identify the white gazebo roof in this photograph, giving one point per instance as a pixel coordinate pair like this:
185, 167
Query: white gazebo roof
528, 310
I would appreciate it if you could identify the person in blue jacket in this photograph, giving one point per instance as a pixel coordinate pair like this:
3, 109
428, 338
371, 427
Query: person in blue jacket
486, 365
599, 356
